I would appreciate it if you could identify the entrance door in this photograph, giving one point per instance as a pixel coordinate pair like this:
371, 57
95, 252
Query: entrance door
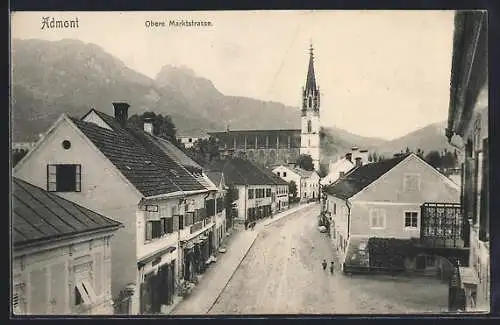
420, 262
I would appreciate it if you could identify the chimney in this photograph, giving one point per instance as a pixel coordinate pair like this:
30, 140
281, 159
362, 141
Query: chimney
148, 125
348, 156
121, 113
359, 162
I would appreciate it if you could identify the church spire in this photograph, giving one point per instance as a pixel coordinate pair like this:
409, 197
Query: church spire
311, 78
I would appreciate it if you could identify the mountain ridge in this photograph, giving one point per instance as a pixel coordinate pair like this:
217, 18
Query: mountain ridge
69, 76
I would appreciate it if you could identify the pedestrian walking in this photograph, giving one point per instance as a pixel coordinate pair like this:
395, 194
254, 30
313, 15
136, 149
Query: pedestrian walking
324, 264
331, 267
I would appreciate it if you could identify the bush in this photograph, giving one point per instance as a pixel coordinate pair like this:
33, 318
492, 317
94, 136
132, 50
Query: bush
389, 252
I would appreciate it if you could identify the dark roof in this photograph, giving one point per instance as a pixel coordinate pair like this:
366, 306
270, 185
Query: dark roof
311, 78
274, 178
469, 68
40, 215
239, 171
175, 153
215, 177
359, 178
137, 156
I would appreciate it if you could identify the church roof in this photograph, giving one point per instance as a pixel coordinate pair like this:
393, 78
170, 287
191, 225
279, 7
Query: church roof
311, 77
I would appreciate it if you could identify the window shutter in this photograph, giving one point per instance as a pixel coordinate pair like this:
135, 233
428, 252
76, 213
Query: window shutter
181, 221
149, 230
156, 228
469, 189
78, 178
176, 222
163, 228
170, 225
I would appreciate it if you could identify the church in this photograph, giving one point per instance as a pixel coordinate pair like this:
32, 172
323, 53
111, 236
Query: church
274, 147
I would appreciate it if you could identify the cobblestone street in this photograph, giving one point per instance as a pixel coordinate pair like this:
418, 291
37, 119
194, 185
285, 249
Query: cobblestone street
282, 274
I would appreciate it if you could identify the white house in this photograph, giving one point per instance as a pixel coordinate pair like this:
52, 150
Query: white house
386, 200
337, 169
256, 188
307, 181
103, 164
61, 255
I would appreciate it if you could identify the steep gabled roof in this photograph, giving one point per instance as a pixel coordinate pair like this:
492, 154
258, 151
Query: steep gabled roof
40, 215
359, 178
239, 171
137, 156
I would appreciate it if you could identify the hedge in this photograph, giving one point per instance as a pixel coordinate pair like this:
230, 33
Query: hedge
389, 252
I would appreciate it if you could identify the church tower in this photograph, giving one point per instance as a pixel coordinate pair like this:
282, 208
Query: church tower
310, 126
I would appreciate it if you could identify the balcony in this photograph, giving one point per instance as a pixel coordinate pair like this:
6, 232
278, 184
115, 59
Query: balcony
443, 226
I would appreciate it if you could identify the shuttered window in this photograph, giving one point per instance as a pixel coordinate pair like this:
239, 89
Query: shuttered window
469, 191
484, 218
189, 218
181, 222
175, 223
149, 230
170, 225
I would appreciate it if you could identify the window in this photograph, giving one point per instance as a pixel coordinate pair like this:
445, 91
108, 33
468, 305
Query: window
377, 218
155, 228
181, 221
64, 178
335, 208
250, 193
83, 290
18, 302
411, 220
284, 174
278, 173
411, 182
310, 101
268, 192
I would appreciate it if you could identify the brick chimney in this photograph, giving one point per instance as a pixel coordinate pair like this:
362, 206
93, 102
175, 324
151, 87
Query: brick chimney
359, 162
148, 125
348, 156
121, 112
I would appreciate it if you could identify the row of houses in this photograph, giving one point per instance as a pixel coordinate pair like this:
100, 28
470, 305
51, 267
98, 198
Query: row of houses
108, 218
402, 214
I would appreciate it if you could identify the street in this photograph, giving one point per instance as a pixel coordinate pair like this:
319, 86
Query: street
282, 274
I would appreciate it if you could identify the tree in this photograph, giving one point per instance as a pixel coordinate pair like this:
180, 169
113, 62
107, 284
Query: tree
323, 170
292, 189
375, 157
163, 126
420, 153
17, 155
433, 158
305, 162
370, 157
204, 151
407, 150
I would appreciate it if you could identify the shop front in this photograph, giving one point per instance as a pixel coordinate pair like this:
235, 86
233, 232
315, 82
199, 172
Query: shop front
157, 289
196, 253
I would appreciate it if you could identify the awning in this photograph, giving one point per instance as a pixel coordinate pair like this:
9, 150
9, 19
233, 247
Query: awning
468, 275
156, 255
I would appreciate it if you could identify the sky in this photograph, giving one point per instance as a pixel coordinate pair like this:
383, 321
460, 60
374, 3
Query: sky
381, 73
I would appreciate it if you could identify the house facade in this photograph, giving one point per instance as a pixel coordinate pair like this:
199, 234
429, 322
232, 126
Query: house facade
63, 265
256, 188
337, 169
384, 200
84, 160
307, 182
468, 132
